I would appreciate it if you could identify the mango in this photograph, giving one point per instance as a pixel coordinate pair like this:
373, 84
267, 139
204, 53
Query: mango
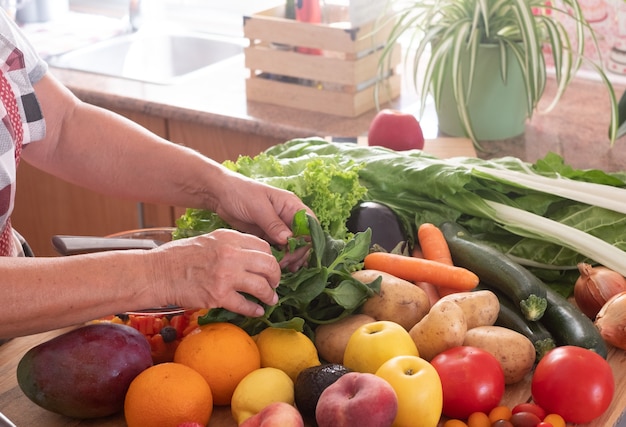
85, 372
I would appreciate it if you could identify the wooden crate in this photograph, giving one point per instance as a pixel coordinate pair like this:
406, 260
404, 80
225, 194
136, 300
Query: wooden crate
341, 78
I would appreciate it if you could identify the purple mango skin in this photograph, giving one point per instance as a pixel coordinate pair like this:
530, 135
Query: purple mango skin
86, 372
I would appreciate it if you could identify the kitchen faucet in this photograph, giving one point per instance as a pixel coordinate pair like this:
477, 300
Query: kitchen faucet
134, 14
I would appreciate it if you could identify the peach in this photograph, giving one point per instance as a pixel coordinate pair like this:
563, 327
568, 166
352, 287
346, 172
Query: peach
357, 399
277, 414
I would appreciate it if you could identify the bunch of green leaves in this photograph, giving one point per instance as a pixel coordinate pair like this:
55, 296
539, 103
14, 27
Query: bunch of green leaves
323, 291
326, 184
474, 193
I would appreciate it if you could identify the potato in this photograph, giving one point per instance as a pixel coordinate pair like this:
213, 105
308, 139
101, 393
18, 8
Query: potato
331, 339
514, 351
442, 328
481, 308
399, 301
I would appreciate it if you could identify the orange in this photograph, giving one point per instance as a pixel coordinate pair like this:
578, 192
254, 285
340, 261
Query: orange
167, 395
223, 354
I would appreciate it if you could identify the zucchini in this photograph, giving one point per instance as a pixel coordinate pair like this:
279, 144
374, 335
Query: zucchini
497, 270
510, 317
569, 326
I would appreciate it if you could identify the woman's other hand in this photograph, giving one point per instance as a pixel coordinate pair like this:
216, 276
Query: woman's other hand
215, 270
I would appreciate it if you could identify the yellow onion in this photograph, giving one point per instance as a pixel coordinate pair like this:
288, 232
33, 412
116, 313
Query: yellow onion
595, 286
611, 321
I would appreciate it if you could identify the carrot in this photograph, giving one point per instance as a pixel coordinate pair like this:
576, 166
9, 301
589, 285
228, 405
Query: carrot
422, 270
435, 248
431, 290
433, 243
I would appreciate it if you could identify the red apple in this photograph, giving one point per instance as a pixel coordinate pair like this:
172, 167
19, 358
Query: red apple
357, 399
395, 130
277, 414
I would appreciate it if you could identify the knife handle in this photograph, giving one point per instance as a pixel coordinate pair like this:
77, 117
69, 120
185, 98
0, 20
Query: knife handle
74, 245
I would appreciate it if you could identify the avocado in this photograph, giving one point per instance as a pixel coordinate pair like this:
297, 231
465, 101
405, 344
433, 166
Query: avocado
84, 373
310, 384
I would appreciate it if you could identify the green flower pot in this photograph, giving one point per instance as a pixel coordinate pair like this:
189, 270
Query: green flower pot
498, 108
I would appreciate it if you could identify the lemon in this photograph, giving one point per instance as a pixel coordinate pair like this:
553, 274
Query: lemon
286, 349
258, 389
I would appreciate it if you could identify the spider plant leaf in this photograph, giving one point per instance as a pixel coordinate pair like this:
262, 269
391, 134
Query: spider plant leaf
435, 70
555, 39
473, 44
504, 60
621, 116
459, 49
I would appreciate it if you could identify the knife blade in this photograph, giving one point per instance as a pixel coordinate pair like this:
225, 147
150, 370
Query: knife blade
73, 245
5, 422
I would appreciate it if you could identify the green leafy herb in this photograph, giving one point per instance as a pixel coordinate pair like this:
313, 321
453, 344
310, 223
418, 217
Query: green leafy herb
321, 292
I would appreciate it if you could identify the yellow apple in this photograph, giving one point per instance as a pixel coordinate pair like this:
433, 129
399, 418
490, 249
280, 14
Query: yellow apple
418, 389
374, 343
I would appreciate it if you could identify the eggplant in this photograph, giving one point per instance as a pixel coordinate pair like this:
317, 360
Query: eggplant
386, 226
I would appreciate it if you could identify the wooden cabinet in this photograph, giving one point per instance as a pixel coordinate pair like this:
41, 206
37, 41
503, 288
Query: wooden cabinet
46, 206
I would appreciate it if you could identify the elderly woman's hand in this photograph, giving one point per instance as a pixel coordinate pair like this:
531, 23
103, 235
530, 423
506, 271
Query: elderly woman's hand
215, 270
264, 211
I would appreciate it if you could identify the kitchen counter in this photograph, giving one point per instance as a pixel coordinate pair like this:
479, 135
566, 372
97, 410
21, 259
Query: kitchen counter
576, 129
15, 405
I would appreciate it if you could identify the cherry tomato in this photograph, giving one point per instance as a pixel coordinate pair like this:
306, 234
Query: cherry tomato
500, 413
524, 419
530, 407
573, 382
478, 419
555, 420
472, 380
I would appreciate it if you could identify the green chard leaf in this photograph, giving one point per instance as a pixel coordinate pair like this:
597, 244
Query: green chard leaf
422, 188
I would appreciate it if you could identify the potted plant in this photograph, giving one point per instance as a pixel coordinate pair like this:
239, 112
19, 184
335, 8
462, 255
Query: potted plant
464, 51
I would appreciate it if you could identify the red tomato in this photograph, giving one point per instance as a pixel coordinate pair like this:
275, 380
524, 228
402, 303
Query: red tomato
472, 381
573, 382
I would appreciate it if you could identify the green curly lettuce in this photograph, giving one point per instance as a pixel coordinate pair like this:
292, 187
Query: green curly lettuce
326, 184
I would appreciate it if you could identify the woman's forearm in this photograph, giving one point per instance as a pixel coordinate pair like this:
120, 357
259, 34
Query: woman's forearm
58, 292
107, 153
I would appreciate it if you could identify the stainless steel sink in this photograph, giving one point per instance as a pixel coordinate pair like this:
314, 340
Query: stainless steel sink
151, 56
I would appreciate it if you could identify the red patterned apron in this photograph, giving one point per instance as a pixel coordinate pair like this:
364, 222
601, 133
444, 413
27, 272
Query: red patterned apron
7, 97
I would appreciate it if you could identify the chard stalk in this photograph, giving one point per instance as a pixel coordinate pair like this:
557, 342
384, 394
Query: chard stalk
604, 196
531, 225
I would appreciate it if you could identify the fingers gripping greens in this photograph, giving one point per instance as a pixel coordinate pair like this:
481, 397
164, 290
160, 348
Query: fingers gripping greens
321, 292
